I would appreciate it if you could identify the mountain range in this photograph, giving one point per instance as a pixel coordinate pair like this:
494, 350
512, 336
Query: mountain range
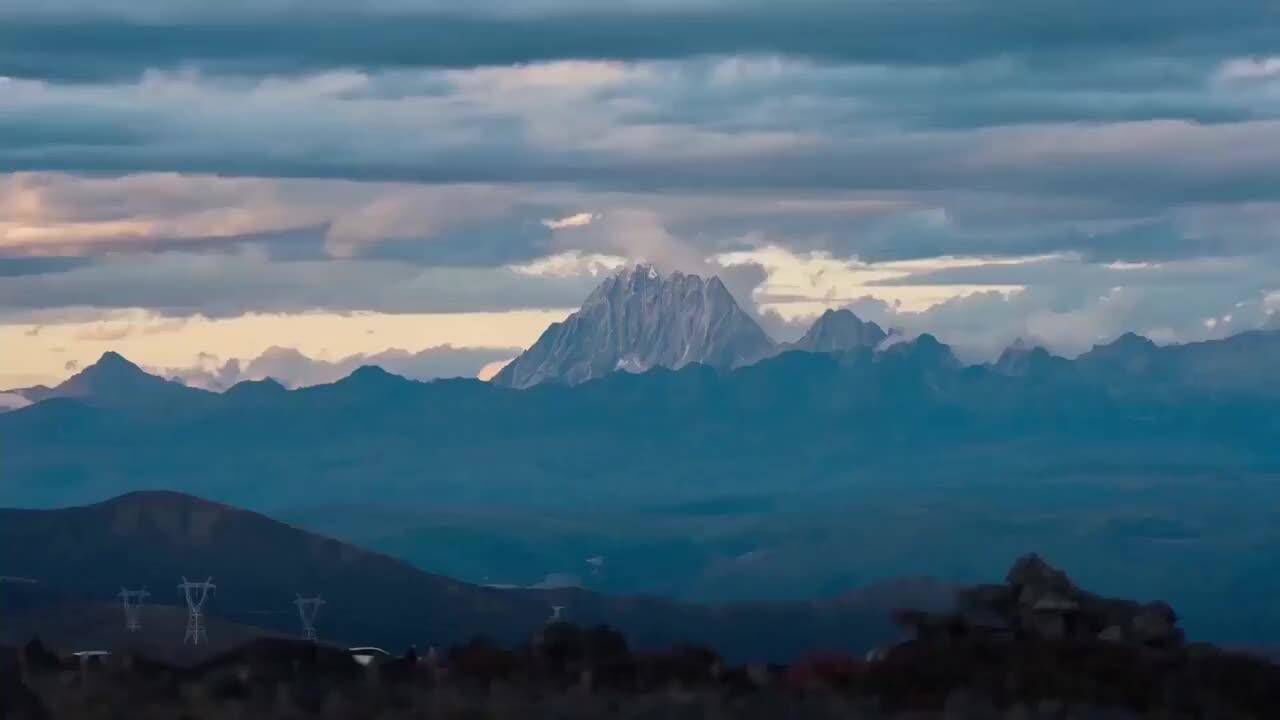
639, 319
847, 458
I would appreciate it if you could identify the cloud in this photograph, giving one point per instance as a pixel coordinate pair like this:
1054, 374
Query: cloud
488, 372
12, 401
1256, 68
232, 284
293, 369
981, 305
804, 284
573, 263
571, 221
472, 127
84, 40
951, 163
416, 212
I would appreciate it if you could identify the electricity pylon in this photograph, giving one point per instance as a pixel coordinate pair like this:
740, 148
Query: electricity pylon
308, 609
196, 593
132, 601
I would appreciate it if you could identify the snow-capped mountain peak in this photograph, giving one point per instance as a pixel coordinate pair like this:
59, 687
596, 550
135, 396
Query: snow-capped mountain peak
639, 319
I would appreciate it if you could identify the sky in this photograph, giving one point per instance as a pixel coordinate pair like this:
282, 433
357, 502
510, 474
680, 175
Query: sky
225, 190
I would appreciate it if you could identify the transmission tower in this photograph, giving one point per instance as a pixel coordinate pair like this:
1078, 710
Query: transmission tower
196, 593
132, 601
308, 609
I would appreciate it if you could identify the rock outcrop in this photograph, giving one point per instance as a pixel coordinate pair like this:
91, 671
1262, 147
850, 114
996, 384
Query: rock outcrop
1041, 601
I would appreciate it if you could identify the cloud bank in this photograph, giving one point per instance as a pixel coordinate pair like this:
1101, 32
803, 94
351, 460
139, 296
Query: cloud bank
294, 370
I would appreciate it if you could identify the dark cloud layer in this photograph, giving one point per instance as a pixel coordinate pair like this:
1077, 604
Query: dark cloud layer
274, 38
219, 285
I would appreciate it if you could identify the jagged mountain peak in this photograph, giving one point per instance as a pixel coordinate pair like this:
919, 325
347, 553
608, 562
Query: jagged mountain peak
112, 358
1128, 342
1024, 357
923, 351
840, 331
1130, 351
112, 373
645, 277
115, 381
112, 364
639, 319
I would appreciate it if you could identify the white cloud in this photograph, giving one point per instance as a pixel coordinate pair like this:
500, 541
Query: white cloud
489, 371
581, 219
1254, 68
294, 369
60, 213
418, 212
573, 263
801, 285
1271, 302
12, 401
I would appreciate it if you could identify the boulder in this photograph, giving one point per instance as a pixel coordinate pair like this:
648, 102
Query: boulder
1113, 633
1155, 623
1032, 577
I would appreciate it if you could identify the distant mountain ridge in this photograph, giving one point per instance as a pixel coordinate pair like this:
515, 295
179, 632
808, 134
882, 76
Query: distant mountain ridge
839, 331
115, 381
637, 320
1239, 363
823, 468
151, 539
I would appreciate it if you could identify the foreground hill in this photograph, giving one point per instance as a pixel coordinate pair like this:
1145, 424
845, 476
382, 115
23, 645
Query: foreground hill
259, 566
1034, 646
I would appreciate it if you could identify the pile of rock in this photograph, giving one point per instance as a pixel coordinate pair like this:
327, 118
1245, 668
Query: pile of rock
1039, 600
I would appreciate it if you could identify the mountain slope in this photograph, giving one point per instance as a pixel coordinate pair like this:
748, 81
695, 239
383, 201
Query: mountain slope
839, 331
258, 565
113, 381
638, 320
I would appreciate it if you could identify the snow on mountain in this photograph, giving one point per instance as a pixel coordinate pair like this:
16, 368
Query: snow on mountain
637, 320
